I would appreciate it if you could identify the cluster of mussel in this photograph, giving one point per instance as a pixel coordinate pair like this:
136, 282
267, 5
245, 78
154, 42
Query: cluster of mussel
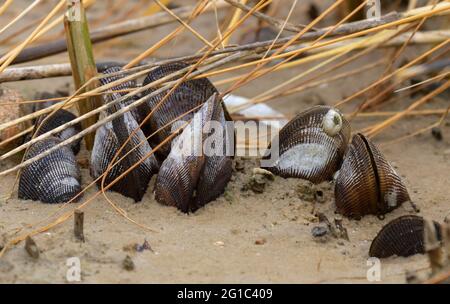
184, 180
316, 146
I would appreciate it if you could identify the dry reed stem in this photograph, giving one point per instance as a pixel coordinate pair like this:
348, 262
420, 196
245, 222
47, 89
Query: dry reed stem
20, 16
278, 23
352, 34
67, 215
409, 64
416, 104
185, 77
179, 82
196, 12
234, 19
251, 76
196, 34
340, 52
82, 62
99, 123
306, 85
10, 56
397, 54
432, 79
7, 59
104, 33
5, 6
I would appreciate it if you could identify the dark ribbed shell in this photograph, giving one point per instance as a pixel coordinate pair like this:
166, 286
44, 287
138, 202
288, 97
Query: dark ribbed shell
108, 140
121, 88
59, 118
53, 179
190, 181
366, 183
307, 151
186, 97
403, 236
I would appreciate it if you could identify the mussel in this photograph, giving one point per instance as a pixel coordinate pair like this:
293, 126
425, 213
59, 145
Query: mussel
190, 178
110, 137
367, 183
47, 123
404, 236
311, 145
55, 178
184, 99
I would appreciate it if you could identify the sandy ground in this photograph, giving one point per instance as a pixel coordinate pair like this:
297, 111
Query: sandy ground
242, 236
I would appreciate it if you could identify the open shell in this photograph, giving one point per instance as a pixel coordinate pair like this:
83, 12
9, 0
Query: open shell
404, 236
312, 145
59, 118
109, 138
367, 183
53, 179
185, 98
190, 178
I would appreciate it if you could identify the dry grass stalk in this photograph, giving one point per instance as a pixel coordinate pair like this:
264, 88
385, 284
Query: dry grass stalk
82, 62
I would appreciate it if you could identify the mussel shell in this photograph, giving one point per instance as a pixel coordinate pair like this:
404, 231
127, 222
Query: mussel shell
57, 119
404, 236
119, 90
53, 179
366, 183
392, 190
109, 138
183, 99
306, 150
189, 181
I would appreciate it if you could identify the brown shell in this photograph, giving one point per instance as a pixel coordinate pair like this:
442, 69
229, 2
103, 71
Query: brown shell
305, 132
186, 97
190, 181
404, 236
109, 138
366, 183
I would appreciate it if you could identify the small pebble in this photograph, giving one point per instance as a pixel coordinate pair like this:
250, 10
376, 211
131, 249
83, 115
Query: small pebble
319, 196
306, 191
128, 263
144, 246
260, 241
437, 133
319, 231
239, 165
31, 248
267, 174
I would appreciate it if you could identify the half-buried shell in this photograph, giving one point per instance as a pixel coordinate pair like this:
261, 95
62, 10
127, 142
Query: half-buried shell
191, 177
110, 137
404, 236
184, 99
367, 183
55, 178
59, 118
311, 146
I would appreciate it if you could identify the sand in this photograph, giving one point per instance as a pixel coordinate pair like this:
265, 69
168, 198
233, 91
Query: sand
242, 237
